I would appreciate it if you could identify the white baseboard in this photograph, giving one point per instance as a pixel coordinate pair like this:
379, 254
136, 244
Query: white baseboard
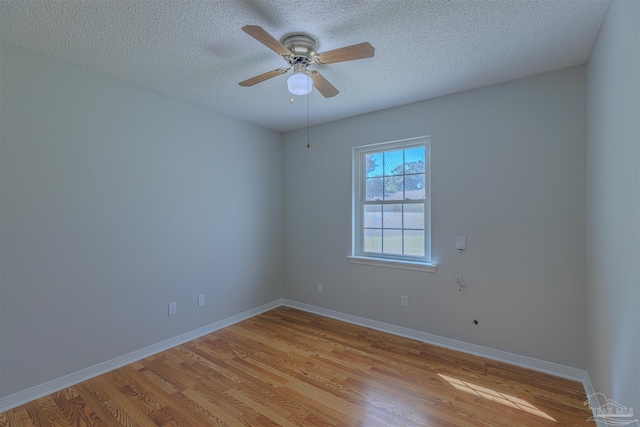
478, 350
58, 384
589, 390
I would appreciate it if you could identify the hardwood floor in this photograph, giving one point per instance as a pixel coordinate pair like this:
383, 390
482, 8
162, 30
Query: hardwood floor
291, 368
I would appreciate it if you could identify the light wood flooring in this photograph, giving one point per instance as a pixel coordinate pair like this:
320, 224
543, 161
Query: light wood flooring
291, 368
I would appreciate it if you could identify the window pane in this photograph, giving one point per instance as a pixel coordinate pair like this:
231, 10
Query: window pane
392, 216
373, 189
413, 242
393, 186
392, 241
414, 187
393, 161
414, 160
414, 216
373, 163
373, 216
372, 240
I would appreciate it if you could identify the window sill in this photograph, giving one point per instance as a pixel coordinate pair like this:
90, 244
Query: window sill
405, 265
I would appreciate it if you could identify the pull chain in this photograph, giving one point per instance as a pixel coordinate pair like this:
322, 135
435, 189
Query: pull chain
308, 143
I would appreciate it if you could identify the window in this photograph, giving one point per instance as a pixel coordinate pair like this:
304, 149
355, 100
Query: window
391, 209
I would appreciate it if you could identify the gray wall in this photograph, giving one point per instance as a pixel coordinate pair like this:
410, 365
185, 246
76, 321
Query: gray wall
116, 201
613, 207
508, 172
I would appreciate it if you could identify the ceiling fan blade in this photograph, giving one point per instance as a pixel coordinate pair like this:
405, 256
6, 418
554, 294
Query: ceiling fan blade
324, 87
348, 53
262, 77
266, 39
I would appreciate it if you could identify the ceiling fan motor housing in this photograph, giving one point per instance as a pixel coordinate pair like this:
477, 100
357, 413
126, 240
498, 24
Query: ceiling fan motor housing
303, 47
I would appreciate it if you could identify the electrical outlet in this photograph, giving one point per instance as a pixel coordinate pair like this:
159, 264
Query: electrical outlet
200, 300
320, 288
404, 301
172, 308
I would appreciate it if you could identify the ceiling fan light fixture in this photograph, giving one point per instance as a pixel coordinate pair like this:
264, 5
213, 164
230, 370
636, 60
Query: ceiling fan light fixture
299, 83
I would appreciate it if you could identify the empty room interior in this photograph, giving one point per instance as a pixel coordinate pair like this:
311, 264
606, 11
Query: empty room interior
444, 231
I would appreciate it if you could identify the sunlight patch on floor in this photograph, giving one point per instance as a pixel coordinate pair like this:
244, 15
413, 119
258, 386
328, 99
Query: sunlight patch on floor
496, 396
379, 406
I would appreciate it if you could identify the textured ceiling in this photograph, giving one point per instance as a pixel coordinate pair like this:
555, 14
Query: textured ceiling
195, 50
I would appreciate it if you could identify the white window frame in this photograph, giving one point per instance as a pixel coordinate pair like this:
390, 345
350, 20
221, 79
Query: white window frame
358, 256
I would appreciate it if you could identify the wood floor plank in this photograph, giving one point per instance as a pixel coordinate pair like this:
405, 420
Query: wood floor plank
98, 403
287, 367
16, 418
120, 408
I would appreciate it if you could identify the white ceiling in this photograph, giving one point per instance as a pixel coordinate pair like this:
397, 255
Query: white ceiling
195, 50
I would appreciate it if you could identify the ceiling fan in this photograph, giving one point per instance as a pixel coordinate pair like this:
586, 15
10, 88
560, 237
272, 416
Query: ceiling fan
299, 50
